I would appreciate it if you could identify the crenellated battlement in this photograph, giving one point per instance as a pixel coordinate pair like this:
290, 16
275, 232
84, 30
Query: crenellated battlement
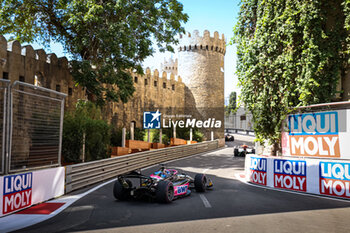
196, 42
169, 66
200, 85
155, 79
40, 55
23, 63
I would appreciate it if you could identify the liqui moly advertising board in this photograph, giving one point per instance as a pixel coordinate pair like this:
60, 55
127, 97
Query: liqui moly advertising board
314, 134
290, 174
335, 179
17, 192
20, 191
258, 168
319, 134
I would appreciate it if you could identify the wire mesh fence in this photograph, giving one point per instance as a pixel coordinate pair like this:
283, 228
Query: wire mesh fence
4, 85
35, 127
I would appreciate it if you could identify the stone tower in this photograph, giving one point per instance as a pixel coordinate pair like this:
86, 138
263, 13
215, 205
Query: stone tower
201, 67
169, 66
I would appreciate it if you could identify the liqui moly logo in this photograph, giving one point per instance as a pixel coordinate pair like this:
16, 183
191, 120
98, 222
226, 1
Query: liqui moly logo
314, 134
258, 170
335, 179
290, 174
17, 192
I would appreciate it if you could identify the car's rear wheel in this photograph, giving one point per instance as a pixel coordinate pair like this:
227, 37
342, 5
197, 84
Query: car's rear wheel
235, 152
200, 182
165, 192
120, 191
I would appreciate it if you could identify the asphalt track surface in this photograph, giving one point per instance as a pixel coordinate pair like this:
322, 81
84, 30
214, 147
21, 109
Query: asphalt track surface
232, 206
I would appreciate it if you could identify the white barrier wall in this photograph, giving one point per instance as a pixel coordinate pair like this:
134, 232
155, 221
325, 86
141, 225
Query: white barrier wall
318, 134
25, 189
317, 176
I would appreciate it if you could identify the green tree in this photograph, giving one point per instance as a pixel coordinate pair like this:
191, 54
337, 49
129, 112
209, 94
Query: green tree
106, 39
290, 53
85, 120
232, 104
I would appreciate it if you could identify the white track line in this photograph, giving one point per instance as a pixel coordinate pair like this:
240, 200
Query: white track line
205, 170
205, 201
20, 221
293, 192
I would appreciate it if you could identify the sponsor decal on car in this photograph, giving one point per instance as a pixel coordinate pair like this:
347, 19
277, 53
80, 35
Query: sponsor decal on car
17, 192
181, 189
258, 170
335, 179
290, 174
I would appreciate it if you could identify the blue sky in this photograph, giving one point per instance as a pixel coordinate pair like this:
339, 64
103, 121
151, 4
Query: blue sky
219, 15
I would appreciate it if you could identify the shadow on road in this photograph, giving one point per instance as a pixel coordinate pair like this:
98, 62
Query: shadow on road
229, 198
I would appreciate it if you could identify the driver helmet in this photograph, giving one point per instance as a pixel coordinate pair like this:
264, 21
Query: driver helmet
163, 174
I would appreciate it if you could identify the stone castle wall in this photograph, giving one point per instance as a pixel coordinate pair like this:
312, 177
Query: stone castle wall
23, 63
153, 89
201, 66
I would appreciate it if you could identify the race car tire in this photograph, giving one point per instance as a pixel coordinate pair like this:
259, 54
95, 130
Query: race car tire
235, 152
200, 182
165, 192
120, 192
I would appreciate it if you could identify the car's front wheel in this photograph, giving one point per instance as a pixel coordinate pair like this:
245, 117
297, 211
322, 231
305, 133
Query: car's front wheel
200, 182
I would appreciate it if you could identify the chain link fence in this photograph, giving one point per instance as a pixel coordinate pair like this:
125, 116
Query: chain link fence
31, 127
4, 87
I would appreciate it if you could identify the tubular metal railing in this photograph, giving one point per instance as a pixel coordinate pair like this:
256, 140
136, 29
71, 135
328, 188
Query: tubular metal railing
84, 174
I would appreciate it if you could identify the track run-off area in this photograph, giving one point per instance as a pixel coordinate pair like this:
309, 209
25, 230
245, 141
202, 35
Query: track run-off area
231, 206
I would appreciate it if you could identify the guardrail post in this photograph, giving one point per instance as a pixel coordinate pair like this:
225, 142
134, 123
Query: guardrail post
191, 136
212, 135
174, 132
160, 135
148, 135
83, 154
123, 137
132, 131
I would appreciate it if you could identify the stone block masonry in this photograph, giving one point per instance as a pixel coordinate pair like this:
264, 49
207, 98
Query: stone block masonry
192, 84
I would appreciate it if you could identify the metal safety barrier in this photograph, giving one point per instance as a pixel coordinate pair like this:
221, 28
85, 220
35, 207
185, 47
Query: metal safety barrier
84, 174
31, 122
4, 90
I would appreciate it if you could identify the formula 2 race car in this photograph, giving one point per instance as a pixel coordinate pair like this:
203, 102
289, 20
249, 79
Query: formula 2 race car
163, 186
241, 151
229, 137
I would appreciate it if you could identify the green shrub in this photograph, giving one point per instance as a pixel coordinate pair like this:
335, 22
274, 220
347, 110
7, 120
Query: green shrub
85, 119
